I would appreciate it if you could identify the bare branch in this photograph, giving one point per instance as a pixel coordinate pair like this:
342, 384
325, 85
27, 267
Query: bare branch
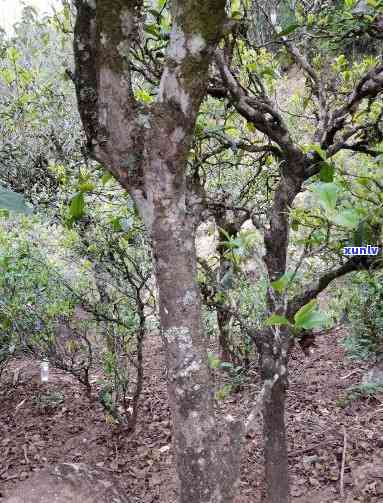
369, 86
354, 264
317, 81
256, 110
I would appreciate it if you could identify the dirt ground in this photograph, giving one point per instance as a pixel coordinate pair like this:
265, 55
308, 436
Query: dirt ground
319, 429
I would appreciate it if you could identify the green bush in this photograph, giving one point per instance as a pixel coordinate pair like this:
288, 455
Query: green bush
365, 312
32, 301
359, 392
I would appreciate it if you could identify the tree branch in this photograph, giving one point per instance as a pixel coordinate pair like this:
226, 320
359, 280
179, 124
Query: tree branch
369, 86
112, 118
352, 265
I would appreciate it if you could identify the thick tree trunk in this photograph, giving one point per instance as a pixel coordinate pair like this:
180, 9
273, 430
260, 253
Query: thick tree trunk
189, 390
146, 148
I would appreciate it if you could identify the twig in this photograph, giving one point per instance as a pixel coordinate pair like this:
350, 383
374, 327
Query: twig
25, 454
20, 404
251, 420
11, 477
343, 463
311, 447
357, 371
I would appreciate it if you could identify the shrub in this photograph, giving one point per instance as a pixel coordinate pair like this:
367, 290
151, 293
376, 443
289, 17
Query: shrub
365, 312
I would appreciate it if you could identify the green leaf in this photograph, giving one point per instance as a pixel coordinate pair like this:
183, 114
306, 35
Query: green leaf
106, 178
317, 319
12, 201
87, 187
267, 70
214, 361
289, 29
309, 316
277, 319
326, 173
250, 127
77, 205
13, 54
348, 218
236, 15
144, 96
152, 29
316, 148
7, 75
363, 234
280, 284
363, 181
225, 391
116, 224
306, 309
328, 193
235, 6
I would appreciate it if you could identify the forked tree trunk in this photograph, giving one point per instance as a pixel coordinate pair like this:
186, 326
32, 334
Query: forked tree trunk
146, 147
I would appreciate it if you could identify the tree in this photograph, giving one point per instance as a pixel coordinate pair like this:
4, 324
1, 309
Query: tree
146, 148
336, 128
42, 157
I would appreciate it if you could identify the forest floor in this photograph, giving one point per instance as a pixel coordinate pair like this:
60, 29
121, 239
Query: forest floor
318, 425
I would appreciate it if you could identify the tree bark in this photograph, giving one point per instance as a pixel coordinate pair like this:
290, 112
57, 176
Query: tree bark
274, 428
190, 396
223, 321
276, 461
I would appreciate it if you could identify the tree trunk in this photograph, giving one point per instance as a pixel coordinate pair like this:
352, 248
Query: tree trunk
223, 321
146, 148
275, 351
275, 447
274, 361
189, 390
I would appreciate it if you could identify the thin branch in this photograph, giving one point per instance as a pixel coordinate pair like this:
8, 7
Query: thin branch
353, 264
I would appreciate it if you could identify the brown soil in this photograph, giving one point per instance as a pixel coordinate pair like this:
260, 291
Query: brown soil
75, 431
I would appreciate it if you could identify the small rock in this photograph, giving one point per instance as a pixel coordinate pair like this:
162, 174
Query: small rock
374, 375
314, 482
